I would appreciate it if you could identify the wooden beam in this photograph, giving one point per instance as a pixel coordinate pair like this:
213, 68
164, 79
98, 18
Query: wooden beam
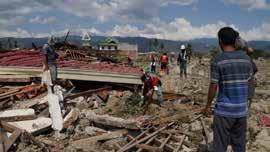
207, 134
12, 139
165, 142
148, 148
145, 138
136, 138
180, 144
148, 142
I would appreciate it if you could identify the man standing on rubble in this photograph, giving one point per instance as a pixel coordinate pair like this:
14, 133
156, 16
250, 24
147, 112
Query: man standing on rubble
49, 61
182, 60
152, 84
164, 61
230, 72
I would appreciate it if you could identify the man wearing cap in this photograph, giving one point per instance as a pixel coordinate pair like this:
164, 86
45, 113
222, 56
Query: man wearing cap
50, 56
182, 60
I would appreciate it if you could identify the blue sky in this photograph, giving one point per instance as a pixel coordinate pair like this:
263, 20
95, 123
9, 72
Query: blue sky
167, 19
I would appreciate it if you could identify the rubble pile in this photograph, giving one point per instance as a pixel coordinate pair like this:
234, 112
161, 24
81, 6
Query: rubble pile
32, 58
111, 118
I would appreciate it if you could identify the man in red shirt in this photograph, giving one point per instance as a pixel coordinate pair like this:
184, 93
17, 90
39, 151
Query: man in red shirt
152, 84
164, 60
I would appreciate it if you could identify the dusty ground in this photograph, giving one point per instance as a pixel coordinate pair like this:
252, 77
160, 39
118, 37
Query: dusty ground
125, 104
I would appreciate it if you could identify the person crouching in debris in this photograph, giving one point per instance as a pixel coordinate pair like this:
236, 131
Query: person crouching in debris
164, 61
182, 60
230, 73
152, 84
49, 61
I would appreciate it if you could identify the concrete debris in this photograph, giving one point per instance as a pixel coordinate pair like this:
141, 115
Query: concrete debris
106, 113
18, 114
35, 126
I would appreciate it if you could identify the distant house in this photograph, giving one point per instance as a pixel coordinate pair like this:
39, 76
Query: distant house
108, 44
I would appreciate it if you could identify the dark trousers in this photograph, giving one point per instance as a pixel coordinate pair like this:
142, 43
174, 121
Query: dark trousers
229, 131
183, 68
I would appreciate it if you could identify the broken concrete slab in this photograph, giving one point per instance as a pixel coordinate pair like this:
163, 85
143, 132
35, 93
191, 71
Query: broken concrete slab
35, 126
17, 115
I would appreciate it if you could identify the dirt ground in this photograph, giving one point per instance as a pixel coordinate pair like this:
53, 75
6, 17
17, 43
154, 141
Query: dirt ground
125, 104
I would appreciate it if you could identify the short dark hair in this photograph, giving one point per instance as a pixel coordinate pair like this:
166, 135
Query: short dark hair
228, 36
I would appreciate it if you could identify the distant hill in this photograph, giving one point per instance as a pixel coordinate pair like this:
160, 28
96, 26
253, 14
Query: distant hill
199, 45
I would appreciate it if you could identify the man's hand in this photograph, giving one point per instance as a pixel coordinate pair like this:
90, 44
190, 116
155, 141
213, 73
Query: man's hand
206, 111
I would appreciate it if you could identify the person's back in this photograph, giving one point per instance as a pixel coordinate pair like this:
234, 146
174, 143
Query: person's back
164, 59
233, 70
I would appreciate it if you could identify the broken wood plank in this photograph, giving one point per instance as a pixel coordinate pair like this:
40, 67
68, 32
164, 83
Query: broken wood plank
180, 144
87, 143
148, 148
166, 147
11, 139
86, 93
137, 137
148, 142
35, 126
165, 142
17, 115
70, 118
207, 134
111, 121
145, 138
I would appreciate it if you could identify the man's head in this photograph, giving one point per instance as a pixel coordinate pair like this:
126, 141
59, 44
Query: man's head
164, 53
227, 37
145, 77
183, 47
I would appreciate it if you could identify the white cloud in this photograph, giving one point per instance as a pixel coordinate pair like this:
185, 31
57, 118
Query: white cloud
40, 20
251, 4
178, 29
20, 33
182, 29
259, 33
119, 10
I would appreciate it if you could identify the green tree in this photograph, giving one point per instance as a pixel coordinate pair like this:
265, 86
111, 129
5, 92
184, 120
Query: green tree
150, 45
156, 43
1, 46
9, 44
15, 44
162, 46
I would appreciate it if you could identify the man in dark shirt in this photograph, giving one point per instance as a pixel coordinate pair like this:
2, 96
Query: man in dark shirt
230, 73
182, 59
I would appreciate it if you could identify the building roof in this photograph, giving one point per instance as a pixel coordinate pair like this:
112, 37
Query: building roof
108, 42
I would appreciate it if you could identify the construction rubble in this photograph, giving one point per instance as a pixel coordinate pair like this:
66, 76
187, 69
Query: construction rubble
99, 114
